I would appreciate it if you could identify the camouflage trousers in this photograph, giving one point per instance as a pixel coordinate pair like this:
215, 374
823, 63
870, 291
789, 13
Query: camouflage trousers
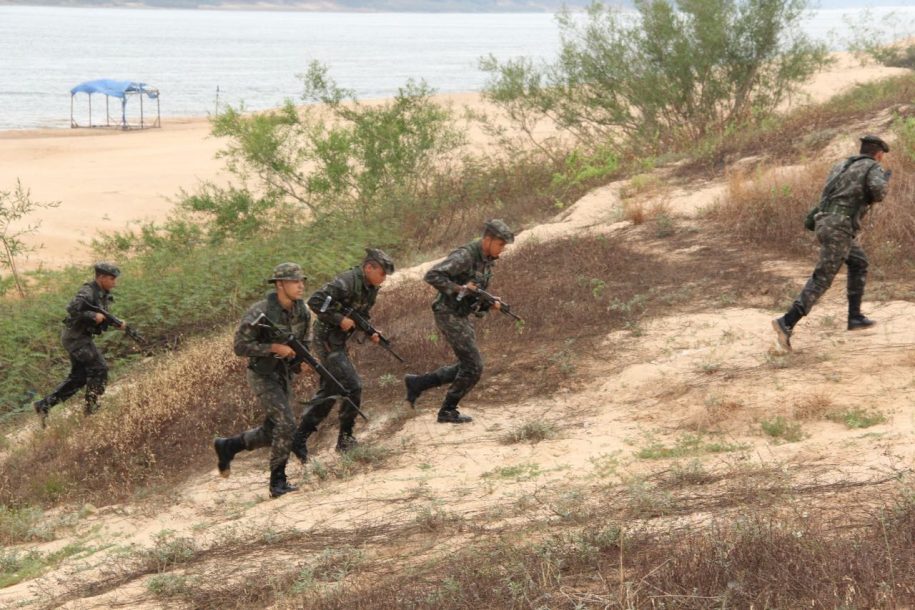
87, 369
337, 362
838, 245
465, 373
274, 393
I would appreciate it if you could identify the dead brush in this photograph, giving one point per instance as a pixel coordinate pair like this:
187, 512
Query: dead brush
767, 207
160, 426
813, 407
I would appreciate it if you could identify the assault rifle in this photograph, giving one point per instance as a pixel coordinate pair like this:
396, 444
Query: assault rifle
113, 320
303, 355
485, 298
364, 325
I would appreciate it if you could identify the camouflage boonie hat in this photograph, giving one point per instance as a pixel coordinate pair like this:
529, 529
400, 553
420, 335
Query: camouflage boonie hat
106, 268
379, 256
287, 271
872, 139
499, 229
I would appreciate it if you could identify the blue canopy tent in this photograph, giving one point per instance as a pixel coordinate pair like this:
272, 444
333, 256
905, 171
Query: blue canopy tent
121, 89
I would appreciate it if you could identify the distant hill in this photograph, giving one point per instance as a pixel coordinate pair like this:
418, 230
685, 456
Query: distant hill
433, 6
424, 6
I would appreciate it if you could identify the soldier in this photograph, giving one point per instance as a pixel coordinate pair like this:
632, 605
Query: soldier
87, 366
852, 186
270, 375
355, 289
457, 278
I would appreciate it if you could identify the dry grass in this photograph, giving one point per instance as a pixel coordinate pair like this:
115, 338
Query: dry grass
571, 293
804, 133
813, 407
766, 207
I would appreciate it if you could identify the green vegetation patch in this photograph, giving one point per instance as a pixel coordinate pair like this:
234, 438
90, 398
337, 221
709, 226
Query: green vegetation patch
783, 429
857, 418
17, 566
529, 432
688, 445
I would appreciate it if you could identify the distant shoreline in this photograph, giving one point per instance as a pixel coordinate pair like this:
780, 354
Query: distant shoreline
457, 7
300, 7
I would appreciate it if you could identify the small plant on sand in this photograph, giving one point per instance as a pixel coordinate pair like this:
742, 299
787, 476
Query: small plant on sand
168, 550
168, 585
686, 446
16, 205
530, 432
857, 418
783, 429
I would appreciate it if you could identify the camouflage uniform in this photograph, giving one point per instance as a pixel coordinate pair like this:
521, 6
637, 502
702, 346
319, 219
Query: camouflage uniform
851, 187
348, 290
452, 309
270, 379
87, 365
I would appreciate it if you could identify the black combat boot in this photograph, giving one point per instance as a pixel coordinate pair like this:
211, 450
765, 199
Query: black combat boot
856, 319
417, 384
41, 409
278, 483
300, 442
226, 448
449, 414
784, 326
346, 442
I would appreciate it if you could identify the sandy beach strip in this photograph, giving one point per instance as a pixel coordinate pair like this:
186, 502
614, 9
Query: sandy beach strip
106, 179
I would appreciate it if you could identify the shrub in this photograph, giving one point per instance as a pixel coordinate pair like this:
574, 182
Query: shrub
678, 71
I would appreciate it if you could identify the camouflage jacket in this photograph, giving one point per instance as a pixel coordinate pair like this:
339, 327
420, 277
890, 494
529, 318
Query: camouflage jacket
254, 342
466, 264
851, 193
80, 321
349, 289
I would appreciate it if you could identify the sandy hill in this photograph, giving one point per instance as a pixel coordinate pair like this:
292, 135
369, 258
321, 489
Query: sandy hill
682, 413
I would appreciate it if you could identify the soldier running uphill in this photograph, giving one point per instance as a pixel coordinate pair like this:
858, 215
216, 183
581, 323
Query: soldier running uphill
352, 293
270, 375
852, 186
462, 273
87, 365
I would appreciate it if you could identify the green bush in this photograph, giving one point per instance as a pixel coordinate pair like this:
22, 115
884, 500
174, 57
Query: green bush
677, 72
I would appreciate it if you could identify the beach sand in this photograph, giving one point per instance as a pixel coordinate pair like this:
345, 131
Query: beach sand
108, 179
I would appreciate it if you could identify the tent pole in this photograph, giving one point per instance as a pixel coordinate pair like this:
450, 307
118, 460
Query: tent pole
141, 110
124, 112
107, 116
90, 110
72, 125
158, 112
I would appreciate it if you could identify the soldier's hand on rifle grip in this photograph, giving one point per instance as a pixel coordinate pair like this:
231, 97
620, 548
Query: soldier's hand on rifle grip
471, 286
99, 318
497, 305
376, 338
346, 324
123, 325
282, 351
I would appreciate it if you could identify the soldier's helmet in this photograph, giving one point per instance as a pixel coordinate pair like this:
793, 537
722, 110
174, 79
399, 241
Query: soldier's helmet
379, 256
497, 228
106, 268
872, 139
287, 271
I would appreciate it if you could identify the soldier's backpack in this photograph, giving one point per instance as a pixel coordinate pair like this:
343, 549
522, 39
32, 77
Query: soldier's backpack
810, 220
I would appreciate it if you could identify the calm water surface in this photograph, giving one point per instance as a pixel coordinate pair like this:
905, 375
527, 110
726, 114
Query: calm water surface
254, 56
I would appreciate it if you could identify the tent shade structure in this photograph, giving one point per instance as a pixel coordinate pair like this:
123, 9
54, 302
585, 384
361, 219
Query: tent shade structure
123, 90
